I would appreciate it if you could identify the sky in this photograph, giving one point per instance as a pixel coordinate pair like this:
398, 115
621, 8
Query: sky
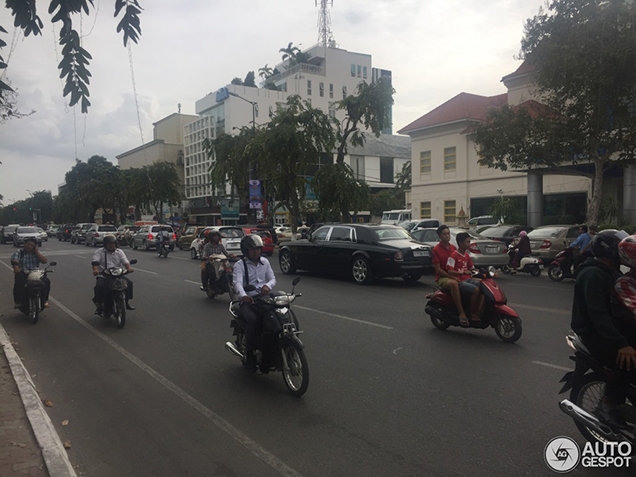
436, 49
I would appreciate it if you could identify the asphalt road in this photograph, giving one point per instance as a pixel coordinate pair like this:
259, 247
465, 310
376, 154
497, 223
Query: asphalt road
389, 395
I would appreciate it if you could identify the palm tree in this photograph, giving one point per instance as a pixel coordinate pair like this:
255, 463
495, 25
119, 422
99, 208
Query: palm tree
265, 72
290, 52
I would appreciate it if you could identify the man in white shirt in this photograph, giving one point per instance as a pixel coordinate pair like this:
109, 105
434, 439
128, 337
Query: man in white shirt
252, 270
106, 257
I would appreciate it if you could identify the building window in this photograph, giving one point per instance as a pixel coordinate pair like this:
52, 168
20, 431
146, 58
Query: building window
359, 71
322, 89
364, 72
331, 90
353, 70
271, 112
386, 170
425, 210
344, 92
449, 211
332, 109
450, 159
308, 87
357, 164
425, 162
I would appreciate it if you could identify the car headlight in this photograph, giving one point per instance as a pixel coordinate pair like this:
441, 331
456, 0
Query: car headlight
284, 299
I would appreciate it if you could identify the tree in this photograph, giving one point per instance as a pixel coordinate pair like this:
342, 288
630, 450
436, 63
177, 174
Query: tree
369, 109
286, 147
290, 52
584, 58
9, 104
75, 59
238, 81
403, 179
387, 199
163, 185
265, 72
249, 79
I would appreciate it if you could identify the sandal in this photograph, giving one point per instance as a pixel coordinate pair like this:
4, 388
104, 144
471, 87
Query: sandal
463, 321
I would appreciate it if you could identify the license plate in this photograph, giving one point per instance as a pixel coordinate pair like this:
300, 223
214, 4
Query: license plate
420, 253
492, 249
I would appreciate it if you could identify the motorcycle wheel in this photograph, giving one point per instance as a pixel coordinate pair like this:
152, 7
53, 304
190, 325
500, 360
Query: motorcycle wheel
296, 373
555, 273
412, 277
588, 394
286, 262
120, 312
146, 246
505, 269
193, 254
439, 324
508, 328
134, 245
535, 271
231, 290
34, 309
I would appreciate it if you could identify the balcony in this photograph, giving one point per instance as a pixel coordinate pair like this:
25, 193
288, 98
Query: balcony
299, 68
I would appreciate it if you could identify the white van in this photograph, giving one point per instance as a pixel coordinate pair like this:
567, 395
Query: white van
394, 217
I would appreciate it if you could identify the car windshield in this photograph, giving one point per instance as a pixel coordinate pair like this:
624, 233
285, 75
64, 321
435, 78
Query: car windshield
231, 233
26, 230
392, 234
261, 233
157, 228
545, 232
107, 228
494, 231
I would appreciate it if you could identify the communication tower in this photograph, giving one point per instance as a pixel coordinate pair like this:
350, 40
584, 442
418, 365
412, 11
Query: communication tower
325, 36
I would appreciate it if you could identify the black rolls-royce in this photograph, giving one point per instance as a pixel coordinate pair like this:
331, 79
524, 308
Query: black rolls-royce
362, 251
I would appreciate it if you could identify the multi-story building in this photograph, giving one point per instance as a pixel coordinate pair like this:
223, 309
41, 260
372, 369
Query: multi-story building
166, 146
447, 177
329, 75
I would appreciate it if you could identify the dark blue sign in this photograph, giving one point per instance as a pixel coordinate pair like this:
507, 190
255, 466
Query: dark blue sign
222, 94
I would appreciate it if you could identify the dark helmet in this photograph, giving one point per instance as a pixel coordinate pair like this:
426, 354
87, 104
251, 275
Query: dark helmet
31, 239
110, 238
605, 243
250, 241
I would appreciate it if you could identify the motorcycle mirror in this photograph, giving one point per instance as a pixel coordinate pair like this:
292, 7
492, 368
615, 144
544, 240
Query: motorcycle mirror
295, 282
52, 264
133, 261
249, 288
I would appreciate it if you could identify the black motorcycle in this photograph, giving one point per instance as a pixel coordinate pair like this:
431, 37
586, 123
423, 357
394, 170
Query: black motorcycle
31, 303
114, 303
163, 249
587, 390
278, 347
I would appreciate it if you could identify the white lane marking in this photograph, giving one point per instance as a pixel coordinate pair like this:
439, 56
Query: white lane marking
259, 451
396, 350
550, 365
190, 281
145, 271
540, 308
79, 256
370, 323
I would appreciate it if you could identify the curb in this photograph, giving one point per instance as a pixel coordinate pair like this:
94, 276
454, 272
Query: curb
53, 452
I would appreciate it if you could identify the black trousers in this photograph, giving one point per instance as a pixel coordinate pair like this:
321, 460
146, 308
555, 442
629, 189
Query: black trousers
101, 289
253, 324
20, 279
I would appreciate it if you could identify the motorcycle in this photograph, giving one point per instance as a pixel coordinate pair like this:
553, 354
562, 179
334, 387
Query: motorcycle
278, 347
31, 304
497, 313
115, 300
163, 249
561, 266
587, 390
528, 264
221, 282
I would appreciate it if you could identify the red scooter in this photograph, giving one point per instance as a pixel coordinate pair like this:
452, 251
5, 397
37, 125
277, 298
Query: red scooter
497, 314
561, 266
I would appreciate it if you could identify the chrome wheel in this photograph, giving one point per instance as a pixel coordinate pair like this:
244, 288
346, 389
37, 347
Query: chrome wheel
508, 328
295, 370
361, 271
286, 263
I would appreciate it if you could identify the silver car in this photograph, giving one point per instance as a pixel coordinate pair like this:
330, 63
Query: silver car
483, 252
43, 235
230, 238
95, 235
21, 233
146, 237
547, 241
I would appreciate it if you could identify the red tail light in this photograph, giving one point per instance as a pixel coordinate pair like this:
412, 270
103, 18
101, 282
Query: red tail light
474, 248
174, 236
96, 234
150, 237
546, 244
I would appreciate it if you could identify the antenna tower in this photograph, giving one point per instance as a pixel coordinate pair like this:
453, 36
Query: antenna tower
324, 23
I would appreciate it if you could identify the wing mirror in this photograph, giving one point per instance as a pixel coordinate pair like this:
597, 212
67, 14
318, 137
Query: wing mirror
133, 261
52, 264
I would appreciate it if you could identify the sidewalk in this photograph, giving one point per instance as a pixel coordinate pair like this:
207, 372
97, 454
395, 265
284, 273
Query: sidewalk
20, 453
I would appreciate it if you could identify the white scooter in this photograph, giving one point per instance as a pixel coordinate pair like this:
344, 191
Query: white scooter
529, 264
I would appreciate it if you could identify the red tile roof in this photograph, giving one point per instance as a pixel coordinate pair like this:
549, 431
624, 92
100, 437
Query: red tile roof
523, 69
462, 106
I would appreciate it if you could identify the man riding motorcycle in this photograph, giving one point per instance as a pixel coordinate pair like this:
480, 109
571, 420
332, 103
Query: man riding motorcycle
213, 246
252, 270
592, 321
107, 257
163, 237
29, 258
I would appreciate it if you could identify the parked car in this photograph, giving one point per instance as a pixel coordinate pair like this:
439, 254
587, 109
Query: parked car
361, 251
78, 235
482, 220
230, 238
65, 231
189, 234
95, 235
483, 252
548, 240
43, 235
6, 234
146, 237
21, 233
51, 231
505, 233
283, 233
410, 225
268, 241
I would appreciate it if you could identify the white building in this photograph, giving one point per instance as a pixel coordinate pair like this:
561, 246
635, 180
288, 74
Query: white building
329, 75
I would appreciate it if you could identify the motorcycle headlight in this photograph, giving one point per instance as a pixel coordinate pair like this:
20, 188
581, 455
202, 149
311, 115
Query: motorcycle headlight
116, 272
284, 300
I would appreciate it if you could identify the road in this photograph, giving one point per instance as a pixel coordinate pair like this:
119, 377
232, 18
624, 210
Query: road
389, 395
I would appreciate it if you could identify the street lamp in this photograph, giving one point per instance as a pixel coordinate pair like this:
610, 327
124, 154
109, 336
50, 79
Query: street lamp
253, 103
